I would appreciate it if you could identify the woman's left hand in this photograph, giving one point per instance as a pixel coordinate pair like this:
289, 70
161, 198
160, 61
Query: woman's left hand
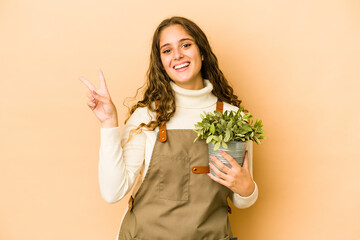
237, 179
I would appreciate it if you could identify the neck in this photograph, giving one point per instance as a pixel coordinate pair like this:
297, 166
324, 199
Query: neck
194, 98
193, 85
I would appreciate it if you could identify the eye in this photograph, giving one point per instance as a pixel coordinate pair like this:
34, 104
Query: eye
166, 51
187, 45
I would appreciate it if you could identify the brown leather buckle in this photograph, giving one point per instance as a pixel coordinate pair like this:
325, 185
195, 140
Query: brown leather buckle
162, 127
200, 169
162, 133
131, 203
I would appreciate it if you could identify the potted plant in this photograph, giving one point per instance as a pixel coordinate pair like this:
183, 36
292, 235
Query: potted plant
230, 132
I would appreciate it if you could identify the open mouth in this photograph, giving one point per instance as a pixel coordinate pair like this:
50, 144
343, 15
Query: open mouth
182, 67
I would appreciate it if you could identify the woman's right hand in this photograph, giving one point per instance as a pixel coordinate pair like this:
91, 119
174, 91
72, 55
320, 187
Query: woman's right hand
100, 102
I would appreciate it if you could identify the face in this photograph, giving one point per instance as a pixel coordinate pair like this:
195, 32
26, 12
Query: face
181, 57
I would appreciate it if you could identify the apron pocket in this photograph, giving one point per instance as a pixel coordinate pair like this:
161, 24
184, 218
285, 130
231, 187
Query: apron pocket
174, 178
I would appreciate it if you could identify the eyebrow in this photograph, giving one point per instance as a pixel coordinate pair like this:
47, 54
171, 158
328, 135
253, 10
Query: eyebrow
181, 40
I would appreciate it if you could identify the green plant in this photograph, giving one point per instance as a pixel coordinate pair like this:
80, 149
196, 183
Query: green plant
218, 128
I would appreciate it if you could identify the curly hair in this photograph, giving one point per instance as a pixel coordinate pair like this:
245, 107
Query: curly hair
157, 86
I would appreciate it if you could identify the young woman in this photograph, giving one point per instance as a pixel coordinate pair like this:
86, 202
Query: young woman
175, 197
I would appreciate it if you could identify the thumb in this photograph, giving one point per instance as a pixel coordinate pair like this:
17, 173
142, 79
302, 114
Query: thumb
246, 161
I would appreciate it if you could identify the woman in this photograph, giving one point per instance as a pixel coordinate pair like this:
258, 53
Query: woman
176, 197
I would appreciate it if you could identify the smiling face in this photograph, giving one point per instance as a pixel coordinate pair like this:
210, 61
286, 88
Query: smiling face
181, 57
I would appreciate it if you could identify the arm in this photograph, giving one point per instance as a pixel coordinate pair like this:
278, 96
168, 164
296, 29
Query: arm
246, 201
119, 167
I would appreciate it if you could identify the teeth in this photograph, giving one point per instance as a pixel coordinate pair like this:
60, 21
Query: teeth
182, 65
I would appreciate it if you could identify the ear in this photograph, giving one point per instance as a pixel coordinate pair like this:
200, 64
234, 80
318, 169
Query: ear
202, 57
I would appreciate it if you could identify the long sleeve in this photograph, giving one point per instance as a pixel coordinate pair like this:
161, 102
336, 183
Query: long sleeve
245, 202
119, 167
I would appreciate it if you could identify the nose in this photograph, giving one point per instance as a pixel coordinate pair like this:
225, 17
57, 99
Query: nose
178, 53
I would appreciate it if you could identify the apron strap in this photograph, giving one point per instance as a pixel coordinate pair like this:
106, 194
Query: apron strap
162, 133
162, 127
220, 106
131, 203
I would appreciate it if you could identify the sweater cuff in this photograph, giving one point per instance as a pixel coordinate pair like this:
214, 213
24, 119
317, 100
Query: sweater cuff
109, 136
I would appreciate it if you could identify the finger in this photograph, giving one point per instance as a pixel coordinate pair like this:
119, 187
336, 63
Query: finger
91, 105
102, 81
218, 172
221, 165
87, 83
229, 158
90, 96
99, 97
218, 180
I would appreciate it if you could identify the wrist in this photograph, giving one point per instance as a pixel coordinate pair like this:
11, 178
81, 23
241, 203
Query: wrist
110, 123
248, 190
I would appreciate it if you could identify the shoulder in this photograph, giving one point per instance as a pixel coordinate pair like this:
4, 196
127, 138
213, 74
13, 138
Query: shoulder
230, 107
141, 115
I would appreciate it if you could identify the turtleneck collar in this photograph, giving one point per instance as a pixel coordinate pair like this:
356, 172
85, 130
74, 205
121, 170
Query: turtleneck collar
201, 98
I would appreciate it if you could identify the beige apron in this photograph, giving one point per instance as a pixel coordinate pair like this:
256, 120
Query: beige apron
177, 200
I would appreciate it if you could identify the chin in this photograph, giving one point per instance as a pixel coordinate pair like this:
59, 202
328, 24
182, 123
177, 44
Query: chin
182, 81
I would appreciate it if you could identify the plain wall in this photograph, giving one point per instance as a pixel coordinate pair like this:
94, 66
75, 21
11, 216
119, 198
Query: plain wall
295, 65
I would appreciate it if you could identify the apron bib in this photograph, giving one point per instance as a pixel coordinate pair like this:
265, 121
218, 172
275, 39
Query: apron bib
177, 200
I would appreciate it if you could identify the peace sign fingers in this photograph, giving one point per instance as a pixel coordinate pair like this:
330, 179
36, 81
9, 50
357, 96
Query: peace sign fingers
103, 88
100, 102
102, 82
88, 84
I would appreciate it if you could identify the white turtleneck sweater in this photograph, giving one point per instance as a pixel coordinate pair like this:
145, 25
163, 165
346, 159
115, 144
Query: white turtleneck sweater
119, 167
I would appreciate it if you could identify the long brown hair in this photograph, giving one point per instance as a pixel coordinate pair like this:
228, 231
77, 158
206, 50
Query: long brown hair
158, 88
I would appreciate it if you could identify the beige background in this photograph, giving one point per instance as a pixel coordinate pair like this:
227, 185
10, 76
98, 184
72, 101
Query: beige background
295, 64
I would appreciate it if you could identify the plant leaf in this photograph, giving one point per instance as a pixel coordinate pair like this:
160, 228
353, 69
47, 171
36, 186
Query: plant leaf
209, 138
217, 145
212, 129
227, 135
